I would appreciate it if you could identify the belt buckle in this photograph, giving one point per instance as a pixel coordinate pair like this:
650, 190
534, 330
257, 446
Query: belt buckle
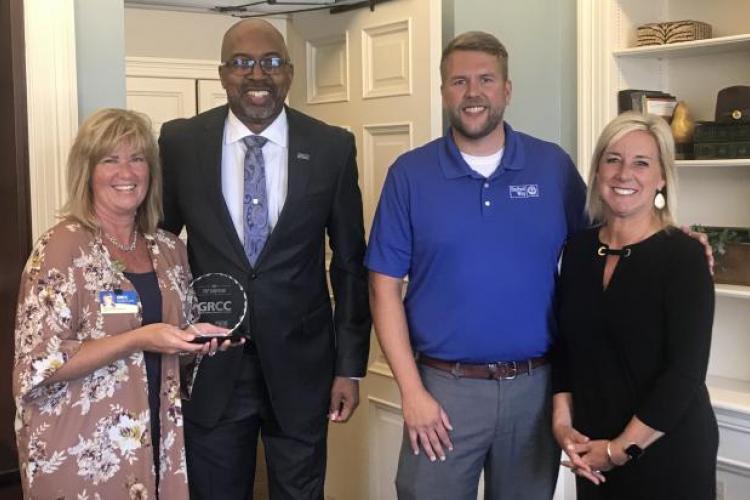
506, 370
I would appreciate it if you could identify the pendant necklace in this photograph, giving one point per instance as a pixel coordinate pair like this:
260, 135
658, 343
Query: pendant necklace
605, 250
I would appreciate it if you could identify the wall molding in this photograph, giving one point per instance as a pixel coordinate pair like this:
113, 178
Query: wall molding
380, 367
595, 42
384, 403
733, 426
159, 67
384, 433
436, 44
736, 467
332, 93
732, 420
398, 84
52, 104
370, 136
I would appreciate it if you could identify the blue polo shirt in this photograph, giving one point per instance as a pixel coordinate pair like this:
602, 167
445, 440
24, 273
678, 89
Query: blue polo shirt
480, 253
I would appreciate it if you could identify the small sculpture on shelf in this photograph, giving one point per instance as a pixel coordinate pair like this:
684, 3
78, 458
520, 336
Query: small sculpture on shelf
683, 127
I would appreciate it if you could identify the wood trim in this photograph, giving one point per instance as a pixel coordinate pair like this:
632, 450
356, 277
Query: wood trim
15, 244
158, 67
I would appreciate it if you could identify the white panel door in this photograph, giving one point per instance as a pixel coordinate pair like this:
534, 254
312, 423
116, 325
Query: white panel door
162, 99
375, 74
210, 95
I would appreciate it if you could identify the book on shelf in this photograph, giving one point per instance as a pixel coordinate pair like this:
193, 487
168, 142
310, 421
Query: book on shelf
713, 140
721, 132
721, 150
660, 106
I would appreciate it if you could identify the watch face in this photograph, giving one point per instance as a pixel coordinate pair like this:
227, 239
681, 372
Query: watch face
634, 451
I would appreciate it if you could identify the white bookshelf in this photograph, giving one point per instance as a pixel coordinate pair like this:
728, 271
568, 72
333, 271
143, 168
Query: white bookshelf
711, 192
734, 163
711, 46
729, 393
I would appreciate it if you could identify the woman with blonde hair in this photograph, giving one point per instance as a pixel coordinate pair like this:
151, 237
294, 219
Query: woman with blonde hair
99, 328
631, 409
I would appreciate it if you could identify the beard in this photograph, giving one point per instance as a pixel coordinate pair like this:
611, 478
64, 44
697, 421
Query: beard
250, 113
494, 118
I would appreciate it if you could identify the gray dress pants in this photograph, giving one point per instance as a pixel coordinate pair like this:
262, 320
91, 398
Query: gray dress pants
501, 427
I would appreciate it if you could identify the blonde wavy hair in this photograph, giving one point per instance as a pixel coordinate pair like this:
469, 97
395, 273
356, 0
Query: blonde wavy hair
99, 136
614, 131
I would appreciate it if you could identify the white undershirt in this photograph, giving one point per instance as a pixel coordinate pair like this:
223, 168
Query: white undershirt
484, 165
275, 158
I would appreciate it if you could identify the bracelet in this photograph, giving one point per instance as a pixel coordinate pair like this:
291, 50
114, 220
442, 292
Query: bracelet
609, 453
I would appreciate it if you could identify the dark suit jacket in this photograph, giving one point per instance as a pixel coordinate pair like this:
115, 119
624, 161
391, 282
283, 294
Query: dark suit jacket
301, 343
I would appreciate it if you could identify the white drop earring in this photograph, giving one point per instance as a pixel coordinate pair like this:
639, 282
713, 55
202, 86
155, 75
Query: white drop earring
659, 201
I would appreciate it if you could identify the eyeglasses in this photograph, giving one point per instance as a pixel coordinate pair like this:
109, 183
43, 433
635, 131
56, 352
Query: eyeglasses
270, 65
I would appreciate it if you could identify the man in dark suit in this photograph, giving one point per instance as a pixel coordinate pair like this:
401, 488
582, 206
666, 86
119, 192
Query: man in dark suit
258, 185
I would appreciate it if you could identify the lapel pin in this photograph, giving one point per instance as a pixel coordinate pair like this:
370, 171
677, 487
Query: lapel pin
303, 156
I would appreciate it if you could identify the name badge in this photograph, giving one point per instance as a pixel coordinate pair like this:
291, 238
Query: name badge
124, 302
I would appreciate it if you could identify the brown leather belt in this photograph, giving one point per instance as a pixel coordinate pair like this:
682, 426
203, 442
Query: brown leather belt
501, 370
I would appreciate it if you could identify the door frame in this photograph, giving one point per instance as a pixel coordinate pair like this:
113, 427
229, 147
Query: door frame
15, 244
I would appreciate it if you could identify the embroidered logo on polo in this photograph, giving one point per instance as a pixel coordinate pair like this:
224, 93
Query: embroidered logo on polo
524, 191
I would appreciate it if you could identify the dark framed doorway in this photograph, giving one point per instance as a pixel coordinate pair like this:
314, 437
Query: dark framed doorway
15, 243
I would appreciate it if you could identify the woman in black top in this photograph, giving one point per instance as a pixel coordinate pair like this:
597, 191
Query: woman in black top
636, 302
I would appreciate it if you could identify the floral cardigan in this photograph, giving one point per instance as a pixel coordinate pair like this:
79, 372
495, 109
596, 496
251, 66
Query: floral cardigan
89, 438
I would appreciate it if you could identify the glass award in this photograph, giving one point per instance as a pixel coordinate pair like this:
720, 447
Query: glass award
220, 300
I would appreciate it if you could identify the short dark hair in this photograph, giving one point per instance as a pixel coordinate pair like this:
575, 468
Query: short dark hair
477, 41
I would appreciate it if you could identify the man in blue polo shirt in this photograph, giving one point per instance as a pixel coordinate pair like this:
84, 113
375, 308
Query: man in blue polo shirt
476, 219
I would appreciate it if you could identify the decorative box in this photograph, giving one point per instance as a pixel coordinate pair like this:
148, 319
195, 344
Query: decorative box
733, 104
672, 32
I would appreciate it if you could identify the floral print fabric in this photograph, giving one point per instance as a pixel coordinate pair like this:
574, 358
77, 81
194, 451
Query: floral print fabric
89, 438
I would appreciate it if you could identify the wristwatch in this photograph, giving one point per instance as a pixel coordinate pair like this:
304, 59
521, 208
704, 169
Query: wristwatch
633, 451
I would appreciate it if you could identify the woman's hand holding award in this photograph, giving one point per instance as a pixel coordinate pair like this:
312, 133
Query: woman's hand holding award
220, 300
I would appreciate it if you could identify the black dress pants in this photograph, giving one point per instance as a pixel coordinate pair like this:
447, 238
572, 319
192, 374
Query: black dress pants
221, 459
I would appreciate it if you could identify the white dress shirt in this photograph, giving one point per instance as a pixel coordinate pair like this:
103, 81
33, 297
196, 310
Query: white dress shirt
275, 158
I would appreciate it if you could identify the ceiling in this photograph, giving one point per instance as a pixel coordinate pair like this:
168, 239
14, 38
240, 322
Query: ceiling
243, 7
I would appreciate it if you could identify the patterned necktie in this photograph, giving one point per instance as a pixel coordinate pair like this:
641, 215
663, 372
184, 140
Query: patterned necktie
255, 200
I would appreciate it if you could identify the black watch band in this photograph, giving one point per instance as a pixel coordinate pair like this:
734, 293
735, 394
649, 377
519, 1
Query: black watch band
633, 451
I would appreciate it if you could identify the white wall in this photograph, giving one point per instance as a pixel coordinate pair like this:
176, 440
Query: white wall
179, 35
100, 55
540, 36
